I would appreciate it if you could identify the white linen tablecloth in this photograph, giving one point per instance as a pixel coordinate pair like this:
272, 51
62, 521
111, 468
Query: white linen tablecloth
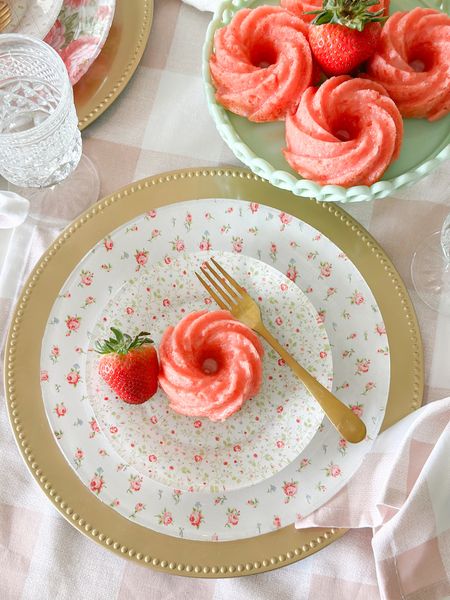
159, 123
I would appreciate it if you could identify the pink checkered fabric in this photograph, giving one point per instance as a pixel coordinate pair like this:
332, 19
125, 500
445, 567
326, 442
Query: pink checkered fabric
42, 557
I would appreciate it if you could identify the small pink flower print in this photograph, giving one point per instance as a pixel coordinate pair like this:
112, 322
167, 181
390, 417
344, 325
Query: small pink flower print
342, 443
283, 287
94, 428
103, 452
167, 260
330, 292
357, 409
357, 298
97, 483
208, 301
219, 500
312, 255
325, 270
176, 496
197, 424
115, 503
362, 365
229, 209
309, 290
60, 410
135, 483
332, 470
151, 214
253, 502
154, 234
285, 220
280, 444
273, 251
73, 377
237, 243
166, 302
198, 458
165, 517
89, 300
281, 362
44, 375
305, 462
108, 243
237, 448
139, 506
254, 207
178, 244
279, 321
323, 354
54, 354
321, 316
188, 221
208, 216
56, 36
106, 267
196, 517
129, 310
370, 385
152, 457
280, 409
72, 324
113, 429
86, 278
380, 329
290, 490
233, 515
78, 457
153, 419
292, 272
141, 257
205, 244
276, 522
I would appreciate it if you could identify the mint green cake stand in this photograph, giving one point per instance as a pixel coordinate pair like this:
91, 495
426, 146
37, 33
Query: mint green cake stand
259, 145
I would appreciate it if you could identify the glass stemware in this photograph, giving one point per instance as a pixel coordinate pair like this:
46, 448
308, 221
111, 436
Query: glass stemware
40, 143
430, 269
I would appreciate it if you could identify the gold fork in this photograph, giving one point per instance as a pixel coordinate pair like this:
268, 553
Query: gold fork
5, 15
230, 296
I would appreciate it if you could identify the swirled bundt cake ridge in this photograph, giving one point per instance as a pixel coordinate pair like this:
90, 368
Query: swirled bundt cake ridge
261, 63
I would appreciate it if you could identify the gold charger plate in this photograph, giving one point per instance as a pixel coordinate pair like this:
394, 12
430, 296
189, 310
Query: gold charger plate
116, 63
26, 410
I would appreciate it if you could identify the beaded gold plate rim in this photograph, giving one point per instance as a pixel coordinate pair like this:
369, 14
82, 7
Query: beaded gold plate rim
26, 411
112, 70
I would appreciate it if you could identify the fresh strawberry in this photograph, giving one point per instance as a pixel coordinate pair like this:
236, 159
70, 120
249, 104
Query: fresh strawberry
129, 366
344, 34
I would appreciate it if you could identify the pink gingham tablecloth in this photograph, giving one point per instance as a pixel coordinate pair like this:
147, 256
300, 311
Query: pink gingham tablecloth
161, 123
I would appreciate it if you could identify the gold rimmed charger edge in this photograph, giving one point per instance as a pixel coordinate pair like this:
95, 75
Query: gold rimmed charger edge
113, 68
26, 410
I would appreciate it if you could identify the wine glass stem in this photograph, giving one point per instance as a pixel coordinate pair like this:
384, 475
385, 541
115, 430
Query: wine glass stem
445, 240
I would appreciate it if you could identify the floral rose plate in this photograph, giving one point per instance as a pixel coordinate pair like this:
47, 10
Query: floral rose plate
80, 32
33, 17
343, 302
259, 440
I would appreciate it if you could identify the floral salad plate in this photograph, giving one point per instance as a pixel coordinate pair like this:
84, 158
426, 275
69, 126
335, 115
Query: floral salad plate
344, 332
79, 33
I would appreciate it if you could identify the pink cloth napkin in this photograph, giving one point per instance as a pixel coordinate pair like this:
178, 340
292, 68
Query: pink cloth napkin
402, 491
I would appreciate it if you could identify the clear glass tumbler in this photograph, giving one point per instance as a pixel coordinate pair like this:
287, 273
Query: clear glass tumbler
40, 143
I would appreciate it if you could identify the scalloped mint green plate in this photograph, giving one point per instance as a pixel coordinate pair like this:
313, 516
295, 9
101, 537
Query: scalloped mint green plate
259, 145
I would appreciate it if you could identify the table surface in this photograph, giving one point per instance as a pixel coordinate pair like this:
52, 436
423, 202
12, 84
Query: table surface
160, 123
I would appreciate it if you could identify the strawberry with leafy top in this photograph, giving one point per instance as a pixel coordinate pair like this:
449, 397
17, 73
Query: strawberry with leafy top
344, 34
129, 366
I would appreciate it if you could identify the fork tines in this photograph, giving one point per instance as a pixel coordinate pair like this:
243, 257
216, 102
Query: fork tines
227, 296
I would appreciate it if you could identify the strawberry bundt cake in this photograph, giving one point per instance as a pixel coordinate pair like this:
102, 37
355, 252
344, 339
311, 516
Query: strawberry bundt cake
261, 63
346, 132
412, 62
300, 7
210, 364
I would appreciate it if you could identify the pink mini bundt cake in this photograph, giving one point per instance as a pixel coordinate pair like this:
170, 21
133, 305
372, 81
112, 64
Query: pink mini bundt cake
413, 62
300, 7
261, 63
210, 364
346, 132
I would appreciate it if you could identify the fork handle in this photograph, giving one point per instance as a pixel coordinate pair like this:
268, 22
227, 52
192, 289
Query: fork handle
341, 416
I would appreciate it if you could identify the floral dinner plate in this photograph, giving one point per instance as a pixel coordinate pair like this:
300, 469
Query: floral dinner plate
344, 304
80, 32
269, 431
